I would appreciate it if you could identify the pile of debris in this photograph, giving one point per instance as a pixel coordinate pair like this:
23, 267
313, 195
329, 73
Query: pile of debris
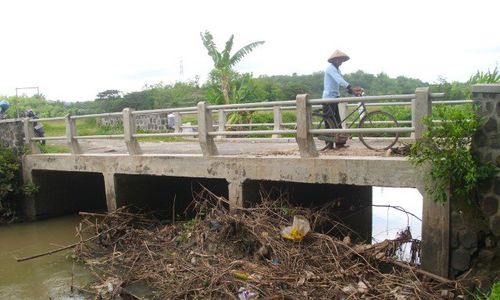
247, 253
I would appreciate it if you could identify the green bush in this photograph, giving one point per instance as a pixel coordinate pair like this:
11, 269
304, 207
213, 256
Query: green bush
495, 291
447, 147
9, 181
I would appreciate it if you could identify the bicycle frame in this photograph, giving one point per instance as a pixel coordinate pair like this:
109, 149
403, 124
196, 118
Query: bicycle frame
360, 115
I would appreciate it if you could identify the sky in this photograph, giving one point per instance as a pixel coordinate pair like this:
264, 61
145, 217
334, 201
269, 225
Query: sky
72, 50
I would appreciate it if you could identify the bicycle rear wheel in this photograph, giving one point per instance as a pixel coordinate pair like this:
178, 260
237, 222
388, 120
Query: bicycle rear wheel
378, 140
328, 138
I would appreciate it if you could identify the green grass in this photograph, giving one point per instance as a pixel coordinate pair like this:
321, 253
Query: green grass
83, 127
54, 149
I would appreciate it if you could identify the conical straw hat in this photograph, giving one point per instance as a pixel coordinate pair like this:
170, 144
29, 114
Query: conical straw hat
338, 54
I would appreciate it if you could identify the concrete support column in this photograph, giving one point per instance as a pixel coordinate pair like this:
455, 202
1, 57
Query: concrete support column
109, 186
278, 119
235, 189
421, 108
29, 202
178, 122
28, 134
129, 129
435, 234
70, 134
222, 122
205, 125
305, 140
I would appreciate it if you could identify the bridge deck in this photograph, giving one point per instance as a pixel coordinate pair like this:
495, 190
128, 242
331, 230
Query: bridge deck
252, 147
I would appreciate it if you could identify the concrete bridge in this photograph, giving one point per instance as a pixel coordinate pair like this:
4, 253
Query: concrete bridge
165, 179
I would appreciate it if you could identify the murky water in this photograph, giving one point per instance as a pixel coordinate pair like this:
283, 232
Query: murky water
45, 277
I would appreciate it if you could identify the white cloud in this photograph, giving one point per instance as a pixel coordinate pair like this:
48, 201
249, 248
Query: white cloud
74, 49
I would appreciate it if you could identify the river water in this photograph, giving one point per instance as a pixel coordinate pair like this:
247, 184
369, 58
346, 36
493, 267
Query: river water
50, 277
47, 277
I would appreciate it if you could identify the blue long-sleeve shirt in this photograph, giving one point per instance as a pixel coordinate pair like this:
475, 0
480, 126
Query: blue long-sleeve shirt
332, 83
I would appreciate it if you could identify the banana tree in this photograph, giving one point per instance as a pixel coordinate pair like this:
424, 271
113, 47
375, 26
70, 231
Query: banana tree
224, 61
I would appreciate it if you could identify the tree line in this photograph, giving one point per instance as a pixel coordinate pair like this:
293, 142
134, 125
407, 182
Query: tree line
251, 89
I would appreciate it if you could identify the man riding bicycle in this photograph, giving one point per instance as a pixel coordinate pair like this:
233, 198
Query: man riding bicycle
332, 82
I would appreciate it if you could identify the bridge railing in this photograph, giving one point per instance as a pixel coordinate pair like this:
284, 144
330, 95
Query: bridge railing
207, 130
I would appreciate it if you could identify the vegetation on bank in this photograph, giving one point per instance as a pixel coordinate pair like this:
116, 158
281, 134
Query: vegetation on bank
10, 183
454, 171
446, 146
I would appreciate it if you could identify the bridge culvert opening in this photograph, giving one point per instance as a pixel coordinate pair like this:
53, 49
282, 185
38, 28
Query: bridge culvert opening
166, 196
349, 204
395, 209
61, 193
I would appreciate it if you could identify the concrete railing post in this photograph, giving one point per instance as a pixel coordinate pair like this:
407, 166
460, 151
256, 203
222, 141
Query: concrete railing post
70, 135
205, 125
129, 129
28, 134
278, 120
421, 107
178, 122
222, 122
305, 140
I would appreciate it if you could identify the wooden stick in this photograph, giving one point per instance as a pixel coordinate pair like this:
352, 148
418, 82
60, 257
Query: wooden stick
20, 259
420, 271
83, 213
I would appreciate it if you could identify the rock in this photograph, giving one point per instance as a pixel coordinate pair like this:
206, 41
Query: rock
489, 205
490, 125
495, 226
486, 255
497, 186
460, 259
489, 242
469, 240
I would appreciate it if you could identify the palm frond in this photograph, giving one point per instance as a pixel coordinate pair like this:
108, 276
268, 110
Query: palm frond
208, 42
244, 51
226, 53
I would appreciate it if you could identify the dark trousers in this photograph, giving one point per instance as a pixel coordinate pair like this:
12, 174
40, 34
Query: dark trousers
333, 110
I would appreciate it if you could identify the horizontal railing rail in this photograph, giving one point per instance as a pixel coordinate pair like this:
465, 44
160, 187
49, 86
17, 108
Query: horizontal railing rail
206, 130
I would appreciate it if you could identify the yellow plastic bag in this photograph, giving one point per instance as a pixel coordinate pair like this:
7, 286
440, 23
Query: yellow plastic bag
298, 230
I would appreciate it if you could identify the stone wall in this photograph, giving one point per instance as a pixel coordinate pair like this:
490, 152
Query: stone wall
475, 231
150, 122
12, 134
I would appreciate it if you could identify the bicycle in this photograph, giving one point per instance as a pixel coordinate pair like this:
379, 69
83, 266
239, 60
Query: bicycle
373, 119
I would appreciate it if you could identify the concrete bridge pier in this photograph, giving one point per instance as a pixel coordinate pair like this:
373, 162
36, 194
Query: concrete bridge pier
236, 195
109, 187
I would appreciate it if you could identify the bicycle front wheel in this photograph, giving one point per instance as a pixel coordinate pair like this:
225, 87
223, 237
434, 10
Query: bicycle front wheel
378, 140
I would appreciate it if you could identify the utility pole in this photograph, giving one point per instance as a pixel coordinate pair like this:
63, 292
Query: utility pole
17, 97
181, 71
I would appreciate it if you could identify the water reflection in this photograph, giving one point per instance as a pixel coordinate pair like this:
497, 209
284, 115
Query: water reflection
41, 278
388, 221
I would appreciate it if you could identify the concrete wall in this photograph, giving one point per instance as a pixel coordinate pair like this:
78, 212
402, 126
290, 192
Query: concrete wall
12, 134
475, 230
149, 122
